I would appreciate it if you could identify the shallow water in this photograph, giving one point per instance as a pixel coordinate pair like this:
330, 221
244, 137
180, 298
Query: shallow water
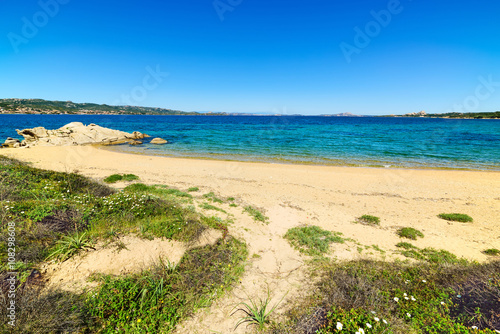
364, 141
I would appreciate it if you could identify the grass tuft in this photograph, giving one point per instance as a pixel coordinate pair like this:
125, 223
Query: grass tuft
410, 233
312, 240
492, 252
257, 313
456, 217
256, 214
368, 220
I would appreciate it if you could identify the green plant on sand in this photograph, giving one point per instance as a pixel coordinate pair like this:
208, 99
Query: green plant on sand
368, 220
312, 240
410, 233
456, 217
71, 245
257, 313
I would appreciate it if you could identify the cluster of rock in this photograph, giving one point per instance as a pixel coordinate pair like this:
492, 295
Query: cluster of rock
76, 133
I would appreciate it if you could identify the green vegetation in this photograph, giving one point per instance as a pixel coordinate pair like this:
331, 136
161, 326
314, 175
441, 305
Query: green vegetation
157, 190
476, 115
312, 240
211, 197
410, 233
429, 254
492, 251
368, 220
257, 313
456, 217
71, 245
68, 107
406, 245
256, 214
207, 206
155, 300
119, 177
192, 189
381, 297
58, 215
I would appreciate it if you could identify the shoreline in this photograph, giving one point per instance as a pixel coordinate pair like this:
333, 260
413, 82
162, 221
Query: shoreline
330, 197
376, 164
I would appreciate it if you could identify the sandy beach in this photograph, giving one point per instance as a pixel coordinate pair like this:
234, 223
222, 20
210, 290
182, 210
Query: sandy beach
330, 197
294, 195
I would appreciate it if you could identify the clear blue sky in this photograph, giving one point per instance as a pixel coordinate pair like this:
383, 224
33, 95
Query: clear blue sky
255, 55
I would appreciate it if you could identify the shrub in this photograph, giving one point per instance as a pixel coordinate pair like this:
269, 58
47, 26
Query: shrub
492, 251
118, 177
457, 217
405, 245
368, 220
312, 240
113, 178
410, 233
256, 214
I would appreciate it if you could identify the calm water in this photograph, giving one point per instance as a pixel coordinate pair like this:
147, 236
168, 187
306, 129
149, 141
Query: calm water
404, 142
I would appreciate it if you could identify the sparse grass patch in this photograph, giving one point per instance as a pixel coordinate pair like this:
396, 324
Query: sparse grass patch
113, 178
207, 206
410, 233
368, 220
211, 197
257, 313
256, 214
492, 252
312, 240
406, 245
120, 177
192, 189
456, 217
130, 177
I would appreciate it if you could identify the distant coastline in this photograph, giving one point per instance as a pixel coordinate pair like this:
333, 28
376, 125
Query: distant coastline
46, 107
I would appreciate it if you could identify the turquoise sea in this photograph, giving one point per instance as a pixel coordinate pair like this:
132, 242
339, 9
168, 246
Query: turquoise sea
361, 141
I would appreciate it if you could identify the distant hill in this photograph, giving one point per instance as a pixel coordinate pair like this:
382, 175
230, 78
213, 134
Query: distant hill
39, 106
474, 115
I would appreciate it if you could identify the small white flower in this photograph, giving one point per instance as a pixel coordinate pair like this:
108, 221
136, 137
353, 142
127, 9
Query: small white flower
339, 326
361, 331
408, 315
424, 281
443, 303
376, 319
407, 298
413, 298
368, 325
459, 296
474, 327
373, 312
396, 299
404, 294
